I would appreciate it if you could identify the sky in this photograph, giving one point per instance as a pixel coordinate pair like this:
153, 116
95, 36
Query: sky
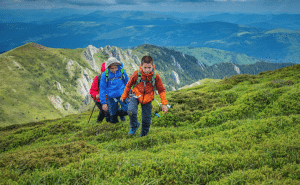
231, 6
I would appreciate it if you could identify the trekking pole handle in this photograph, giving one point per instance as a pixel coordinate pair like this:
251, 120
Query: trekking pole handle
169, 106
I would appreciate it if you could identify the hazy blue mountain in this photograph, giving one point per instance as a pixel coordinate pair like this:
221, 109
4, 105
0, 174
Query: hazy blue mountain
129, 29
37, 15
211, 56
268, 21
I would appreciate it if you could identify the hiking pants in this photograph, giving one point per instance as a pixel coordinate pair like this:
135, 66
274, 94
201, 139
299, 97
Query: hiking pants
146, 115
102, 113
114, 108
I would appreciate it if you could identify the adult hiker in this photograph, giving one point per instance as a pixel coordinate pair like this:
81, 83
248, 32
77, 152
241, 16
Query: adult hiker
112, 84
94, 91
143, 83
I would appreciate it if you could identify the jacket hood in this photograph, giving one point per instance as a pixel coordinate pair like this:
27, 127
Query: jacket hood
112, 60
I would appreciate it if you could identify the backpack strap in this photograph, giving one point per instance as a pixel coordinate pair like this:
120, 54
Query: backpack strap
107, 79
123, 77
99, 79
139, 80
153, 81
106, 75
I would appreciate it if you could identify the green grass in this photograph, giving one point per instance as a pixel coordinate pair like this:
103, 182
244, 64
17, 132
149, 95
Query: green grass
242, 130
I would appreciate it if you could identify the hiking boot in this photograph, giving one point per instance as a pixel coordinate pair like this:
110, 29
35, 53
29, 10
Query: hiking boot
143, 134
114, 119
97, 121
133, 131
122, 118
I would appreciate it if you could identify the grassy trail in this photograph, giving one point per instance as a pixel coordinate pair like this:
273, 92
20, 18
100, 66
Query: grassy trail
242, 130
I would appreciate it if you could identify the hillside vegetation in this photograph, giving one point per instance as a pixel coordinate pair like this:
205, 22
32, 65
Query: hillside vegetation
241, 130
29, 81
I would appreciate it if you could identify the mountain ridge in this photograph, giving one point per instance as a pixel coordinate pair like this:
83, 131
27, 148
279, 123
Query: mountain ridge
134, 30
51, 83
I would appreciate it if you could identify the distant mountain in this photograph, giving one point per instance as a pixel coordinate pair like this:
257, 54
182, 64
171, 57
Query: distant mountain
274, 45
39, 83
37, 15
268, 21
210, 56
129, 29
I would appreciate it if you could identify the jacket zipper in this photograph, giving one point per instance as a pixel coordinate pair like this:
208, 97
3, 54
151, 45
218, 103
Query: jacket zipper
145, 86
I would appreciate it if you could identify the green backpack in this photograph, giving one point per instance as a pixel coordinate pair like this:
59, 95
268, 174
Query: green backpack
106, 74
139, 80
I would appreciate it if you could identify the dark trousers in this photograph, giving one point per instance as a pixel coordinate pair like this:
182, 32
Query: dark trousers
102, 114
114, 109
146, 115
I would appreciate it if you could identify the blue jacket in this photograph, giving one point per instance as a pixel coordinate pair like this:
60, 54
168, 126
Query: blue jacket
115, 87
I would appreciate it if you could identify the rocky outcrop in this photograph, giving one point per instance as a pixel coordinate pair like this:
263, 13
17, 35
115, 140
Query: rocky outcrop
86, 75
117, 54
67, 106
176, 64
136, 60
59, 87
200, 64
129, 52
17, 65
192, 85
87, 99
70, 68
56, 101
88, 54
237, 69
175, 77
83, 87
107, 53
84, 80
182, 54
134, 66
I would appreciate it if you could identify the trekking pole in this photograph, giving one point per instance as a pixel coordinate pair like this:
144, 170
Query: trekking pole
159, 104
92, 111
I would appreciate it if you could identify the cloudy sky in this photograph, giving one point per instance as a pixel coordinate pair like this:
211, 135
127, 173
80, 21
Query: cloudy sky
246, 6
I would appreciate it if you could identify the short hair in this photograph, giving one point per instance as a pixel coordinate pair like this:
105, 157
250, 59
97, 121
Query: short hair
147, 59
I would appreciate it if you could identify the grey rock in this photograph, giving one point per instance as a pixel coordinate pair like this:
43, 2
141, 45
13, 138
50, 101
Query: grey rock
176, 64
88, 54
175, 77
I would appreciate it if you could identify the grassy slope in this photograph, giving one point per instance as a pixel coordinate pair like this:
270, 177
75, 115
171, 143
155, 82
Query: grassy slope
24, 91
242, 130
211, 56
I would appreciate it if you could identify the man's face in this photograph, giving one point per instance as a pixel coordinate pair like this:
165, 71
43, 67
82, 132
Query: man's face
147, 68
113, 68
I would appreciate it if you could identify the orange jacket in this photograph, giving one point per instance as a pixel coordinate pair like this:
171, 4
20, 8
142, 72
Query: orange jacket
146, 94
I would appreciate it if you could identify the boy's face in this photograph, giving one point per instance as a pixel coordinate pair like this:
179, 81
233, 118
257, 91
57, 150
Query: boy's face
113, 68
147, 68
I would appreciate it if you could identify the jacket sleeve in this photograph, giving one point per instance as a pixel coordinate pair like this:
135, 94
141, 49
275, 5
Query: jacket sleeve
161, 90
129, 84
103, 87
94, 88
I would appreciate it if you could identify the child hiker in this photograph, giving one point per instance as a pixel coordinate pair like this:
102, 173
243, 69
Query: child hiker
94, 91
144, 82
112, 84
